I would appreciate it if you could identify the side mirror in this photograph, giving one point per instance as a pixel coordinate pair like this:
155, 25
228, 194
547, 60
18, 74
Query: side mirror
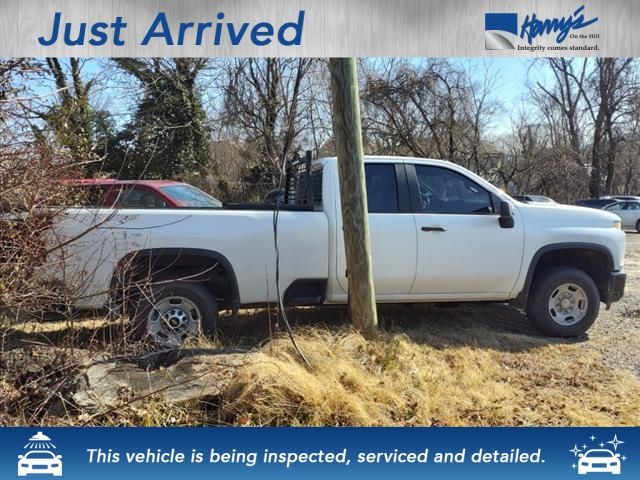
58, 456
20, 456
506, 215
617, 455
580, 455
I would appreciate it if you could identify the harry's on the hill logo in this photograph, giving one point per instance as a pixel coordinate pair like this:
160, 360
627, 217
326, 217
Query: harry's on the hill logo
502, 30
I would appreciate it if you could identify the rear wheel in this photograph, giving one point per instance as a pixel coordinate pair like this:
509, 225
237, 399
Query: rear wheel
170, 313
564, 303
638, 226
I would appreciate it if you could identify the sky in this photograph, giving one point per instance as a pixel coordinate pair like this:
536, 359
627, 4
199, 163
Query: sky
512, 74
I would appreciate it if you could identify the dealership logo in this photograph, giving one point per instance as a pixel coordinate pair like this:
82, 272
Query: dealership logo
502, 30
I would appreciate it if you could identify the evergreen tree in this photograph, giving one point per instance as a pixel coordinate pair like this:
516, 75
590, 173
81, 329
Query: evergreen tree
78, 128
168, 134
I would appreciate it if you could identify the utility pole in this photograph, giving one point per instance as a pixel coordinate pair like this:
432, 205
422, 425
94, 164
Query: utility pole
355, 221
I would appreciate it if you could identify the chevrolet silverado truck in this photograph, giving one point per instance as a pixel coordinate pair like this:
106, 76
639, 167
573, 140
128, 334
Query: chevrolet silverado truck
439, 233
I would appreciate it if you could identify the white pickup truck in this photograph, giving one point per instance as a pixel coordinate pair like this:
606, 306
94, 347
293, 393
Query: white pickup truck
439, 233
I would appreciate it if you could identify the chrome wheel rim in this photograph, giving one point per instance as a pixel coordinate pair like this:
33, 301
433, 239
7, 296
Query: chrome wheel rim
568, 304
172, 320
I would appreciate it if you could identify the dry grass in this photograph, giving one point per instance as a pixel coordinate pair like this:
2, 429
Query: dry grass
395, 380
474, 365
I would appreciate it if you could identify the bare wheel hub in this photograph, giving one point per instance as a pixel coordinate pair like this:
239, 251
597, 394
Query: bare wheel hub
176, 318
568, 304
172, 320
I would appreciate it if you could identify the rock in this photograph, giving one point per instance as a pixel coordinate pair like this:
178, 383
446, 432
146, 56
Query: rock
111, 383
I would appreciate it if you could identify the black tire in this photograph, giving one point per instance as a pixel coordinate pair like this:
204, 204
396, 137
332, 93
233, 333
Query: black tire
638, 226
197, 303
548, 284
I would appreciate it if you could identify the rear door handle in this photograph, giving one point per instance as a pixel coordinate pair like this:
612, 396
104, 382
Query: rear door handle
434, 229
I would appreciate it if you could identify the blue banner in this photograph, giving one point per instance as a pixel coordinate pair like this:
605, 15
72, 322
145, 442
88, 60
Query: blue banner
319, 453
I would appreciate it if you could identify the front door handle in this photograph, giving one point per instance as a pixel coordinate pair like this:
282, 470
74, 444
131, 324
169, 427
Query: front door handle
434, 229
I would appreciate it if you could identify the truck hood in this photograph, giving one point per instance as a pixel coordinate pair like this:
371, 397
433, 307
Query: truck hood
567, 215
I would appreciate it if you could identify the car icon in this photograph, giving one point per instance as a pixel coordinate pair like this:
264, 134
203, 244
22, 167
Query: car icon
599, 460
39, 461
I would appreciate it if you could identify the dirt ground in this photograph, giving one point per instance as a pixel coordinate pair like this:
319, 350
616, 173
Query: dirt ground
616, 333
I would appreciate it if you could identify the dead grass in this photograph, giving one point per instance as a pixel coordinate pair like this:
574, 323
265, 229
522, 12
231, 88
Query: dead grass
474, 365
154, 412
397, 381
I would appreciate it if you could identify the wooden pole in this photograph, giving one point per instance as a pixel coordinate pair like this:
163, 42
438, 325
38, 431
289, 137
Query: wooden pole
355, 221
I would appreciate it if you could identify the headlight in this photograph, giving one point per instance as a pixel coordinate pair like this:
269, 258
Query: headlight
617, 224
24, 465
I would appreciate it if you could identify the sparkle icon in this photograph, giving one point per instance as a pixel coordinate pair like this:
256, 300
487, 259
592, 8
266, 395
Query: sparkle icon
591, 459
615, 442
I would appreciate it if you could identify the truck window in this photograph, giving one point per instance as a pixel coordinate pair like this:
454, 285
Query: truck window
444, 191
382, 189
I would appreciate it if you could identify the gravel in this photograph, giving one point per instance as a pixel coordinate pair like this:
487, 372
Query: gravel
616, 333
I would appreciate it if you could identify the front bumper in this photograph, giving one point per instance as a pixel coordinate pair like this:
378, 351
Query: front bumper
615, 291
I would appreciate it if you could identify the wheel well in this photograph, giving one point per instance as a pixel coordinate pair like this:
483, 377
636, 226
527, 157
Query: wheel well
148, 267
594, 262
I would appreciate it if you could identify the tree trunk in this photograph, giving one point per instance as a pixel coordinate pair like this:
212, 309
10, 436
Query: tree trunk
595, 184
611, 160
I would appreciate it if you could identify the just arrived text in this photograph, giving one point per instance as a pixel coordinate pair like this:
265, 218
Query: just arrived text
213, 33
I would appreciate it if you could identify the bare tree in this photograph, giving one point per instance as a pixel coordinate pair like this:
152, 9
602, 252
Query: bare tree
262, 108
431, 109
28, 182
608, 93
567, 94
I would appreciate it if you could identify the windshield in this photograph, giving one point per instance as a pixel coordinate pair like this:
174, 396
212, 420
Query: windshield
38, 454
191, 196
598, 453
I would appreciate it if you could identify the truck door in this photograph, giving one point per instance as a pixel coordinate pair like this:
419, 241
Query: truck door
392, 229
461, 247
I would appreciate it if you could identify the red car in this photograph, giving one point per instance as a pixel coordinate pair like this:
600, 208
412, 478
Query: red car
111, 193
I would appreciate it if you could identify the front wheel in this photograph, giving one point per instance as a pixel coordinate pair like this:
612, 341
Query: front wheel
170, 313
564, 303
638, 226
